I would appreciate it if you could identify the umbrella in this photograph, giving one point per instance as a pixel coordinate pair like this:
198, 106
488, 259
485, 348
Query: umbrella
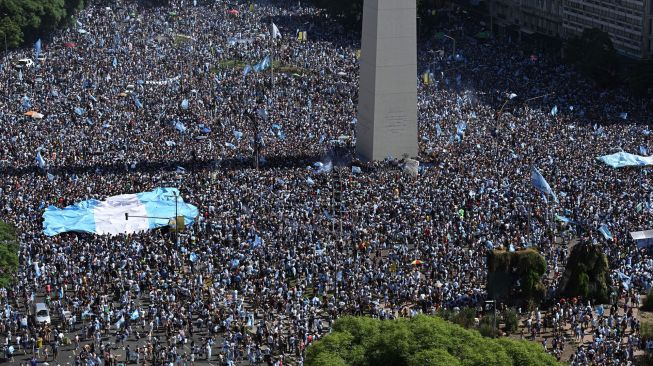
416, 262
69, 45
233, 12
34, 114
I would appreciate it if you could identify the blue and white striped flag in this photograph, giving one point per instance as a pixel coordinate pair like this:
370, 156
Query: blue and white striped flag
146, 211
39, 159
37, 49
605, 231
138, 103
541, 184
247, 69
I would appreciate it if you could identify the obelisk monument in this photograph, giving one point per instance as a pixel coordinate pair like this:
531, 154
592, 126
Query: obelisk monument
387, 100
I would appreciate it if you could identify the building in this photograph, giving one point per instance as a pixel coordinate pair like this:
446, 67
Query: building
528, 16
628, 22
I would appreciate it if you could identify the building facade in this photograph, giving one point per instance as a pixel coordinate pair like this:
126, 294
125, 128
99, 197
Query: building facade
628, 22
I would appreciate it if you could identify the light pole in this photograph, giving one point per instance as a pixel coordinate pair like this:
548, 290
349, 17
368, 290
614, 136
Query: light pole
127, 216
494, 315
453, 53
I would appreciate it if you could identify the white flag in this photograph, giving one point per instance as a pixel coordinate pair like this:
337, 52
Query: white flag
275, 31
39, 159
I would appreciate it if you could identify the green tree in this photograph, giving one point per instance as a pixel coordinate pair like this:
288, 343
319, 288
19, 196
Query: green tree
516, 277
8, 254
421, 340
587, 274
23, 21
594, 55
640, 76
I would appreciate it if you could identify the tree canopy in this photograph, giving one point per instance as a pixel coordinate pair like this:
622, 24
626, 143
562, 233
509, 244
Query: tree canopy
587, 274
23, 21
418, 341
8, 254
595, 56
516, 277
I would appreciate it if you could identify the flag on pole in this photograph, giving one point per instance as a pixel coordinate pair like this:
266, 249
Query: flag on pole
541, 184
554, 110
138, 103
37, 49
247, 69
39, 159
275, 31
605, 231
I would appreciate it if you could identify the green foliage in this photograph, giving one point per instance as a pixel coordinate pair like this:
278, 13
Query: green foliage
8, 254
23, 21
648, 301
644, 360
510, 320
587, 274
422, 340
646, 331
594, 55
640, 76
508, 269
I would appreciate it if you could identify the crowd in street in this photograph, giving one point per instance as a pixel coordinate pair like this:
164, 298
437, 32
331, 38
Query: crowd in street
137, 98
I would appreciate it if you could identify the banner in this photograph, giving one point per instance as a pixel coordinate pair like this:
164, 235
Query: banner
123, 214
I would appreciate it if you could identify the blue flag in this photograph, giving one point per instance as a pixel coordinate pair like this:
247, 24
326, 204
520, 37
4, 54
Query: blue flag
541, 184
39, 160
605, 232
247, 70
138, 103
643, 150
264, 64
554, 110
37, 49
114, 63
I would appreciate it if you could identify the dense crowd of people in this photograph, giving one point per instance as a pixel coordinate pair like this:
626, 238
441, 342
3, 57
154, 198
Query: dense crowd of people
136, 98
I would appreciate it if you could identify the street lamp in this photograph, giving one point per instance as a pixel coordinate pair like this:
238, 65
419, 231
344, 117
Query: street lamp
494, 315
176, 219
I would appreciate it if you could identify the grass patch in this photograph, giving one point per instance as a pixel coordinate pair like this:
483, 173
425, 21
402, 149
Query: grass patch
648, 301
8, 254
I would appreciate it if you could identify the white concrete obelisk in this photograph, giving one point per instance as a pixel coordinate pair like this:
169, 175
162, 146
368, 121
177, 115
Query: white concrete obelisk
387, 100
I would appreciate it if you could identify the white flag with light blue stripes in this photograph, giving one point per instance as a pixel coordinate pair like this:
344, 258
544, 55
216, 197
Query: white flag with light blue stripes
146, 211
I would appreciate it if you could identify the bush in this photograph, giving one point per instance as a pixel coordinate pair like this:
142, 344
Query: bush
422, 340
587, 274
516, 277
511, 320
646, 331
648, 301
8, 254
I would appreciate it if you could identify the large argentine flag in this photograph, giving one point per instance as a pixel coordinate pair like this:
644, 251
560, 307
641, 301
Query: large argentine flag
108, 216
